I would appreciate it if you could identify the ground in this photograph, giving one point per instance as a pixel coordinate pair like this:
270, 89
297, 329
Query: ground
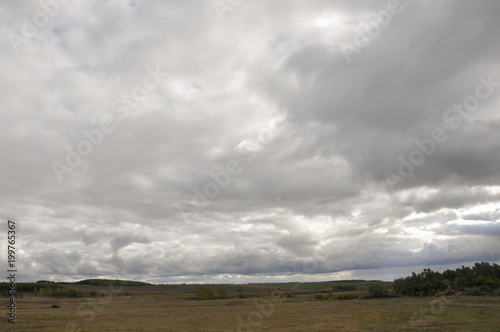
171, 308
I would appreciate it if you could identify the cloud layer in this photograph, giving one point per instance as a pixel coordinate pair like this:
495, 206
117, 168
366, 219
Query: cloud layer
174, 141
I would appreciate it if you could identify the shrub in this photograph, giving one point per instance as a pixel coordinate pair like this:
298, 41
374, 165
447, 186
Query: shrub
204, 293
449, 292
54, 306
345, 288
473, 291
345, 297
378, 291
392, 293
243, 295
222, 293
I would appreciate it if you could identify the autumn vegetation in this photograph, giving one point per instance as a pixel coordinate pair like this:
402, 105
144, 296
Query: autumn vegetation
482, 279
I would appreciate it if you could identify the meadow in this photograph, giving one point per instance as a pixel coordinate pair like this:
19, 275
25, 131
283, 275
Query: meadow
251, 307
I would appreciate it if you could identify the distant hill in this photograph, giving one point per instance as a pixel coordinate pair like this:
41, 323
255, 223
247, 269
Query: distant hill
337, 284
113, 282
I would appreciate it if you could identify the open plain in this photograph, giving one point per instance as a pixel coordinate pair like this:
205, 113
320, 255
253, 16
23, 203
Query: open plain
253, 307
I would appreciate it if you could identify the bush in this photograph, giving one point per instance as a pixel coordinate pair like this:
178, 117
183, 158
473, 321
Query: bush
345, 288
204, 293
243, 295
473, 291
345, 297
222, 293
378, 291
54, 306
449, 292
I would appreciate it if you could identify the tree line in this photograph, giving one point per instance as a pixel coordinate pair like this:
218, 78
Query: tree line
481, 279
46, 288
64, 292
111, 282
206, 293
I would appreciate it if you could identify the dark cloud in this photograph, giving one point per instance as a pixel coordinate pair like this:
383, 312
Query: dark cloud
262, 153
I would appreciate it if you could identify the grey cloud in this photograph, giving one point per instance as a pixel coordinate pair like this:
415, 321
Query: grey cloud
313, 202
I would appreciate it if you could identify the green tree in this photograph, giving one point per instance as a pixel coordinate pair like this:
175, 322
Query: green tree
222, 293
204, 293
377, 291
482, 278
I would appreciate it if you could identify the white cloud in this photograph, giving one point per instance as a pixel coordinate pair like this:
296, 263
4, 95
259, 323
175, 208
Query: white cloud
310, 201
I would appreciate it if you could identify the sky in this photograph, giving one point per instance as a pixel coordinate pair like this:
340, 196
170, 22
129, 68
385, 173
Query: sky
237, 141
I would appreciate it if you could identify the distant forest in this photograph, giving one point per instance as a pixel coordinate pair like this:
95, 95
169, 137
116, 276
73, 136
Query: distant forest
63, 289
481, 279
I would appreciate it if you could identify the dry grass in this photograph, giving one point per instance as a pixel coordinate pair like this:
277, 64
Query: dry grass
172, 311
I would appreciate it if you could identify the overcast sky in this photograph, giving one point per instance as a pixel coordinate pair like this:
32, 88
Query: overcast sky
179, 141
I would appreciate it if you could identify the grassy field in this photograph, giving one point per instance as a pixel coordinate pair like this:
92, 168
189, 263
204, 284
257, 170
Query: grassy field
171, 308
321, 285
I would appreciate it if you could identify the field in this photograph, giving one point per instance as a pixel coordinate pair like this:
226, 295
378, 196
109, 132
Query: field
262, 307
